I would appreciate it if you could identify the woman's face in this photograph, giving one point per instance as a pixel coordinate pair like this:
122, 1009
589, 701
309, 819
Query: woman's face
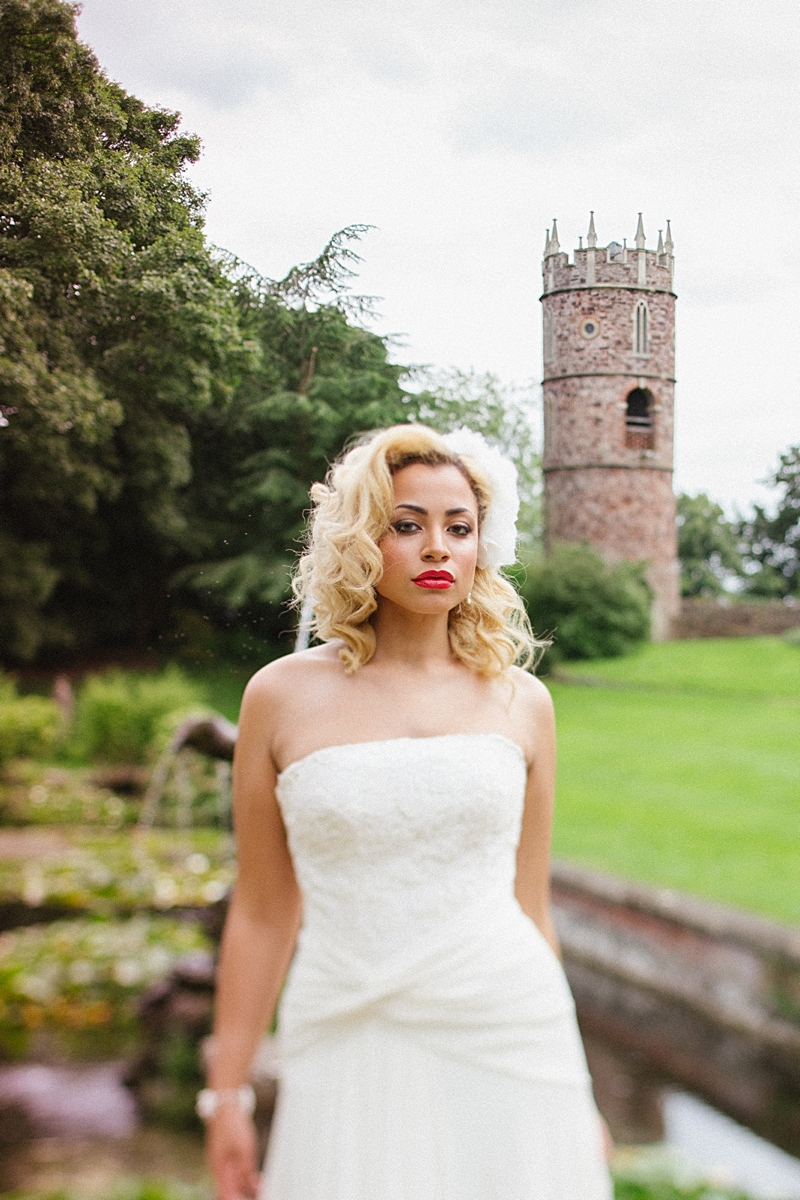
430, 550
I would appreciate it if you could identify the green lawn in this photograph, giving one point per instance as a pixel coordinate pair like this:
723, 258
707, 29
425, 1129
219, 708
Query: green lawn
763, 666
223, 687
680, 765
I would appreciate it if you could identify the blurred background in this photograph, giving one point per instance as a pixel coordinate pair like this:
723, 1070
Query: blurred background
230, 241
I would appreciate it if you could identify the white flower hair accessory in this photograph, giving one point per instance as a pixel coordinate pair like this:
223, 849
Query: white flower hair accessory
497, 544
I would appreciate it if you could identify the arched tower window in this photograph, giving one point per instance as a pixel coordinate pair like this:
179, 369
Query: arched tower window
639, 431
641, 330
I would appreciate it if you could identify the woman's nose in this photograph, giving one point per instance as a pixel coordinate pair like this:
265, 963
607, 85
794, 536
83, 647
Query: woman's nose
436, 548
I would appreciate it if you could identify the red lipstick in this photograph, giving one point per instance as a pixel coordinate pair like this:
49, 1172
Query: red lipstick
438, 580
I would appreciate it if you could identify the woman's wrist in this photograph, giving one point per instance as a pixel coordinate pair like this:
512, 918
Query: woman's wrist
210, 1100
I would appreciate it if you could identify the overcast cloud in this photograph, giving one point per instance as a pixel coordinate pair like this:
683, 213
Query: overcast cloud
460, 129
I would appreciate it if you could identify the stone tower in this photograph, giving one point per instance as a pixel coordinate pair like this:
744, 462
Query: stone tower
609, 384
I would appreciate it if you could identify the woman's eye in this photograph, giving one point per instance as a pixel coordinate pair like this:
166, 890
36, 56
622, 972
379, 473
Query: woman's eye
405, 526
461, 530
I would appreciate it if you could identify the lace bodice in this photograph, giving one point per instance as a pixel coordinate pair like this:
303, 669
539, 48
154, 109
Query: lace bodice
391, 837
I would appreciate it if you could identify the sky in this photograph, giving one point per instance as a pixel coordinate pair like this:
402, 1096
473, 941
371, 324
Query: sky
459, 128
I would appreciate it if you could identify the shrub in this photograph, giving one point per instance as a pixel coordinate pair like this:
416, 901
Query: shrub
591, 609
28, 724
119, 715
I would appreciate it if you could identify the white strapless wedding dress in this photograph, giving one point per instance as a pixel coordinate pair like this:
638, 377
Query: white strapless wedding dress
427, 1033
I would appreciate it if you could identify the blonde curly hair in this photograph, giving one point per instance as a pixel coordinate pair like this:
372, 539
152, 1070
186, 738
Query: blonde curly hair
342, 562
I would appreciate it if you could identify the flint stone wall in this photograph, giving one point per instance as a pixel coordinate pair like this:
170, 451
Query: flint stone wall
706, 618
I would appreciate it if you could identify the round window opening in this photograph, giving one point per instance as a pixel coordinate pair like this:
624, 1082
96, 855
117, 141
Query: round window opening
590, 328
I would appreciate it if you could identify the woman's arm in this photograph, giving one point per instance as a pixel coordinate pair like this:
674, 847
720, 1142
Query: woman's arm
258, 940
533, 856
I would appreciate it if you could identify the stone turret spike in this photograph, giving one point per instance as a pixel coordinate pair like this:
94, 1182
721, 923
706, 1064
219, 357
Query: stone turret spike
591, 237
640, 238
669, 245
660, 248
546, 242
554, 242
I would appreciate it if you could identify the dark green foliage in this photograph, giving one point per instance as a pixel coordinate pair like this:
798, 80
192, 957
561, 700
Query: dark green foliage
707, 546
590, 609
771, 544
319, 380
116, 326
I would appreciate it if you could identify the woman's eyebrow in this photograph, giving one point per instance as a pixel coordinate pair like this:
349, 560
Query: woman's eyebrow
450, 512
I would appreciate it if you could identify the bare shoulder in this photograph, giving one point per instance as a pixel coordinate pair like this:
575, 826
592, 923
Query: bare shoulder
284, 696
530, 694
283, 677
531, 714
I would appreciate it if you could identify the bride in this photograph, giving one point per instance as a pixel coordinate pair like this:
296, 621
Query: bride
393, 797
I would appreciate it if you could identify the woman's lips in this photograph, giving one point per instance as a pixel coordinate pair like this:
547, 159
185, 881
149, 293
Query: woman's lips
438, 580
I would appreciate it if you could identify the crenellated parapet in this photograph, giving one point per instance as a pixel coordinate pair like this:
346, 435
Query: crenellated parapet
615, 265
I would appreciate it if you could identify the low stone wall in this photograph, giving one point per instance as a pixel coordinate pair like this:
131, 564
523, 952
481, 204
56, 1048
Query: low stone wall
707, 995
707, 618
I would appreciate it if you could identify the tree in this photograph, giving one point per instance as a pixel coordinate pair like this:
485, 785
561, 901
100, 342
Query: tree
116, 326
318, 381
708, 546
771, 544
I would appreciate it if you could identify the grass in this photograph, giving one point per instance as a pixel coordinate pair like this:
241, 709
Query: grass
758, 666
680, 766
222, 686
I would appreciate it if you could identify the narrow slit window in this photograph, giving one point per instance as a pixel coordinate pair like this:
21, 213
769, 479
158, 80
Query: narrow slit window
639, 431
549, 338
641, 330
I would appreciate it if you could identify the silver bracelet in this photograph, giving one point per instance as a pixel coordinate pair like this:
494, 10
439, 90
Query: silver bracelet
209, 1101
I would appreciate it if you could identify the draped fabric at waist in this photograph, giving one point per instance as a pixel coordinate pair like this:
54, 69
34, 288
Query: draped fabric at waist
481, 985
